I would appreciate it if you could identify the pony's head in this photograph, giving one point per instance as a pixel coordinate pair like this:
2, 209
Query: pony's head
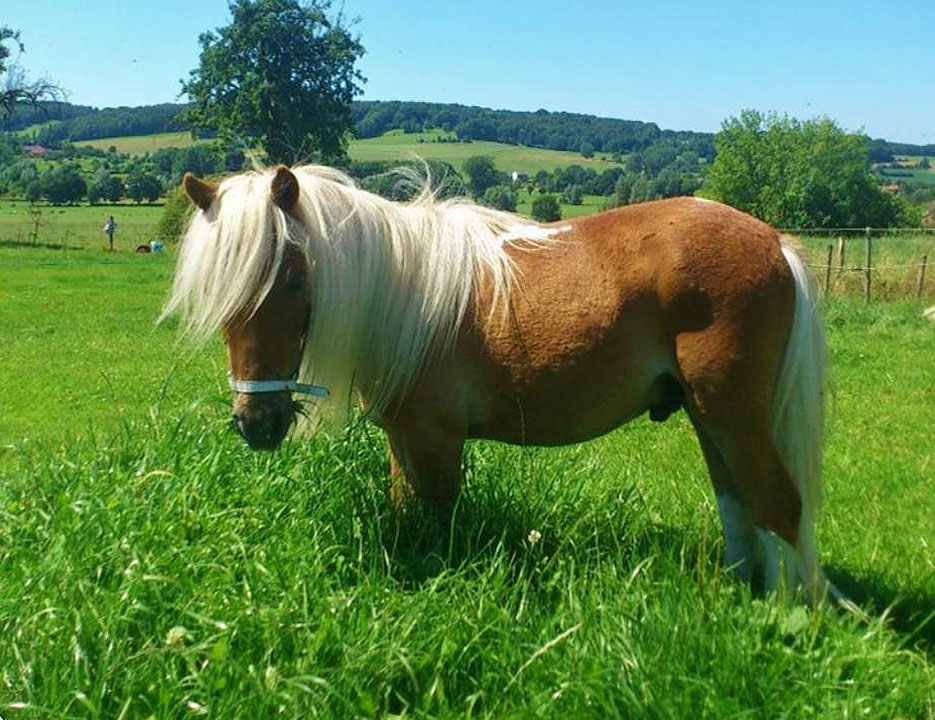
240, 271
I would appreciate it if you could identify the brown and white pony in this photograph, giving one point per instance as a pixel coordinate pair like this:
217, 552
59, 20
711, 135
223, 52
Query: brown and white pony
445, 321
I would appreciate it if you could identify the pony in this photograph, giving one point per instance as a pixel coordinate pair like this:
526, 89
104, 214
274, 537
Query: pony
443, 320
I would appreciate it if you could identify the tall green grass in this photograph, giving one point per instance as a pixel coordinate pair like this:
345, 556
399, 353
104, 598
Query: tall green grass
152, 566
895, 264
171, 573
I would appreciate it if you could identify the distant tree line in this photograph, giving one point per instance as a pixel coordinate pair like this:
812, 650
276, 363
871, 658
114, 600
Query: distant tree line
543, 129
70, 174
112, 122
634, 181
558, 131
657, 163
26, 115
884, 151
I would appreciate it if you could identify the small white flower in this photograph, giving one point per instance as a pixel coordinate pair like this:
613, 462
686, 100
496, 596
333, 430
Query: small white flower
176, 636
129, 569
196, 708
533, 537
270, 677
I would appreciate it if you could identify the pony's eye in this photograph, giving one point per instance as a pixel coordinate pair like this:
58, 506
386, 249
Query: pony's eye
295, 280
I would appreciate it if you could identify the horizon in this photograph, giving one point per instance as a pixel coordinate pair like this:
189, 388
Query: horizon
596, 60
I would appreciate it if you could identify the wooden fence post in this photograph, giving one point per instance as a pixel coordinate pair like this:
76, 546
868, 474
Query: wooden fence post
867, 267
828, 270
840, 254
921, 277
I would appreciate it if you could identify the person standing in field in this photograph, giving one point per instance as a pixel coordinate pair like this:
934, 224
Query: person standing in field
109, 227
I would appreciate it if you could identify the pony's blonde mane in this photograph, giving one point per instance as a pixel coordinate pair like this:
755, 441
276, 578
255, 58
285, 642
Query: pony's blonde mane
390, 284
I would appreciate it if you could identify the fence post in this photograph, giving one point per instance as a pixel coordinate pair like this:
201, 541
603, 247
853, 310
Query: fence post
921, 277
828, 270
840, 254
867, 267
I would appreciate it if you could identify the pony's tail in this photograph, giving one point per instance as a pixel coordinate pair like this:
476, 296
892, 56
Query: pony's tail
798, 413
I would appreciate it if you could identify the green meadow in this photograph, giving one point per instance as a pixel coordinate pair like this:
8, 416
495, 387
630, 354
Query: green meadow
151, 566
79, 227
397, 146
141, 144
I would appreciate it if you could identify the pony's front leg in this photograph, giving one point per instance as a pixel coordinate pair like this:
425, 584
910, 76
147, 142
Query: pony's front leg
425, 461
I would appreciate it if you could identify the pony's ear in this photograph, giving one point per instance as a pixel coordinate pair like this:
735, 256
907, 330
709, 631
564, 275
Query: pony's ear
285, 188
200, 192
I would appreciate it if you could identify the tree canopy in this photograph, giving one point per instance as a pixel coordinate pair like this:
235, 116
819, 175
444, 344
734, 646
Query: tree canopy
15, 87
482, 174
281, 75
545, 208
797, 174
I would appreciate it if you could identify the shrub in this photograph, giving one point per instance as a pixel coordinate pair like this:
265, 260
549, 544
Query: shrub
545, 208
175, 215
501, 197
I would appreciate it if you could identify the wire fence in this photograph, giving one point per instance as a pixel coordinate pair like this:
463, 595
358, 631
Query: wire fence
862, 232
880, 263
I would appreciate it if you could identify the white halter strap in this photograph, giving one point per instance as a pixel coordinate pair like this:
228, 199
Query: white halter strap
265, 386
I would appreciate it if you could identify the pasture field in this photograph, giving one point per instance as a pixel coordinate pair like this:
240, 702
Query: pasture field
141, 144
895, 264
394, 146
589, 204
152, 566
397, 146
78, 227
919, 176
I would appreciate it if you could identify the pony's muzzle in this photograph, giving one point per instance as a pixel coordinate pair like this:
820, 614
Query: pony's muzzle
263, 419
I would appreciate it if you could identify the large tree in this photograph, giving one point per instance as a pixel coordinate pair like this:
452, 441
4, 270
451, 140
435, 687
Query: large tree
797, 174
281, 75
15, 86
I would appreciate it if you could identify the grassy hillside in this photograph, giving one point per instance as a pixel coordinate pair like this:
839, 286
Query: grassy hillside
397, 146
140, 144
394, 147
152, 566
909, 172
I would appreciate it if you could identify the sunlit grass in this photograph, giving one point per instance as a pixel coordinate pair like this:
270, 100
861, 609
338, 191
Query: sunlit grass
401, 147
141, 144
152, 566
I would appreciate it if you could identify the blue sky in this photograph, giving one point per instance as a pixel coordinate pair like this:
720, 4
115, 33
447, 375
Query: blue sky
682, 65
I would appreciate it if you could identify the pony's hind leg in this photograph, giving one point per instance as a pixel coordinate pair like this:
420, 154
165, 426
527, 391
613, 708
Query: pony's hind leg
764, 493
765, 532
740, 541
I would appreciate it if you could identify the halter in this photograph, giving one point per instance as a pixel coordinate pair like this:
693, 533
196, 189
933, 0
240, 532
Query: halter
265, 386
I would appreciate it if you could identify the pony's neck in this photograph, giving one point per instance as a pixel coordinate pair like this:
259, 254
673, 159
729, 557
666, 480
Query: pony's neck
393, 285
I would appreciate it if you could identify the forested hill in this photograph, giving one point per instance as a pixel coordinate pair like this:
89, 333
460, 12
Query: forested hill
557, 131
55, 122
552, 130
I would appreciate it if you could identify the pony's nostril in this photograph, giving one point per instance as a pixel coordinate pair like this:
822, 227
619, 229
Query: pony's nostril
239, 425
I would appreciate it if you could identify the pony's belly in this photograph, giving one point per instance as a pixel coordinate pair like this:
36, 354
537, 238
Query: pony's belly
561, 416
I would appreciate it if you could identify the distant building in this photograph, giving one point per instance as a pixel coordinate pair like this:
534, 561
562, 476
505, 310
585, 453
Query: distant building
520, 176
36, 151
